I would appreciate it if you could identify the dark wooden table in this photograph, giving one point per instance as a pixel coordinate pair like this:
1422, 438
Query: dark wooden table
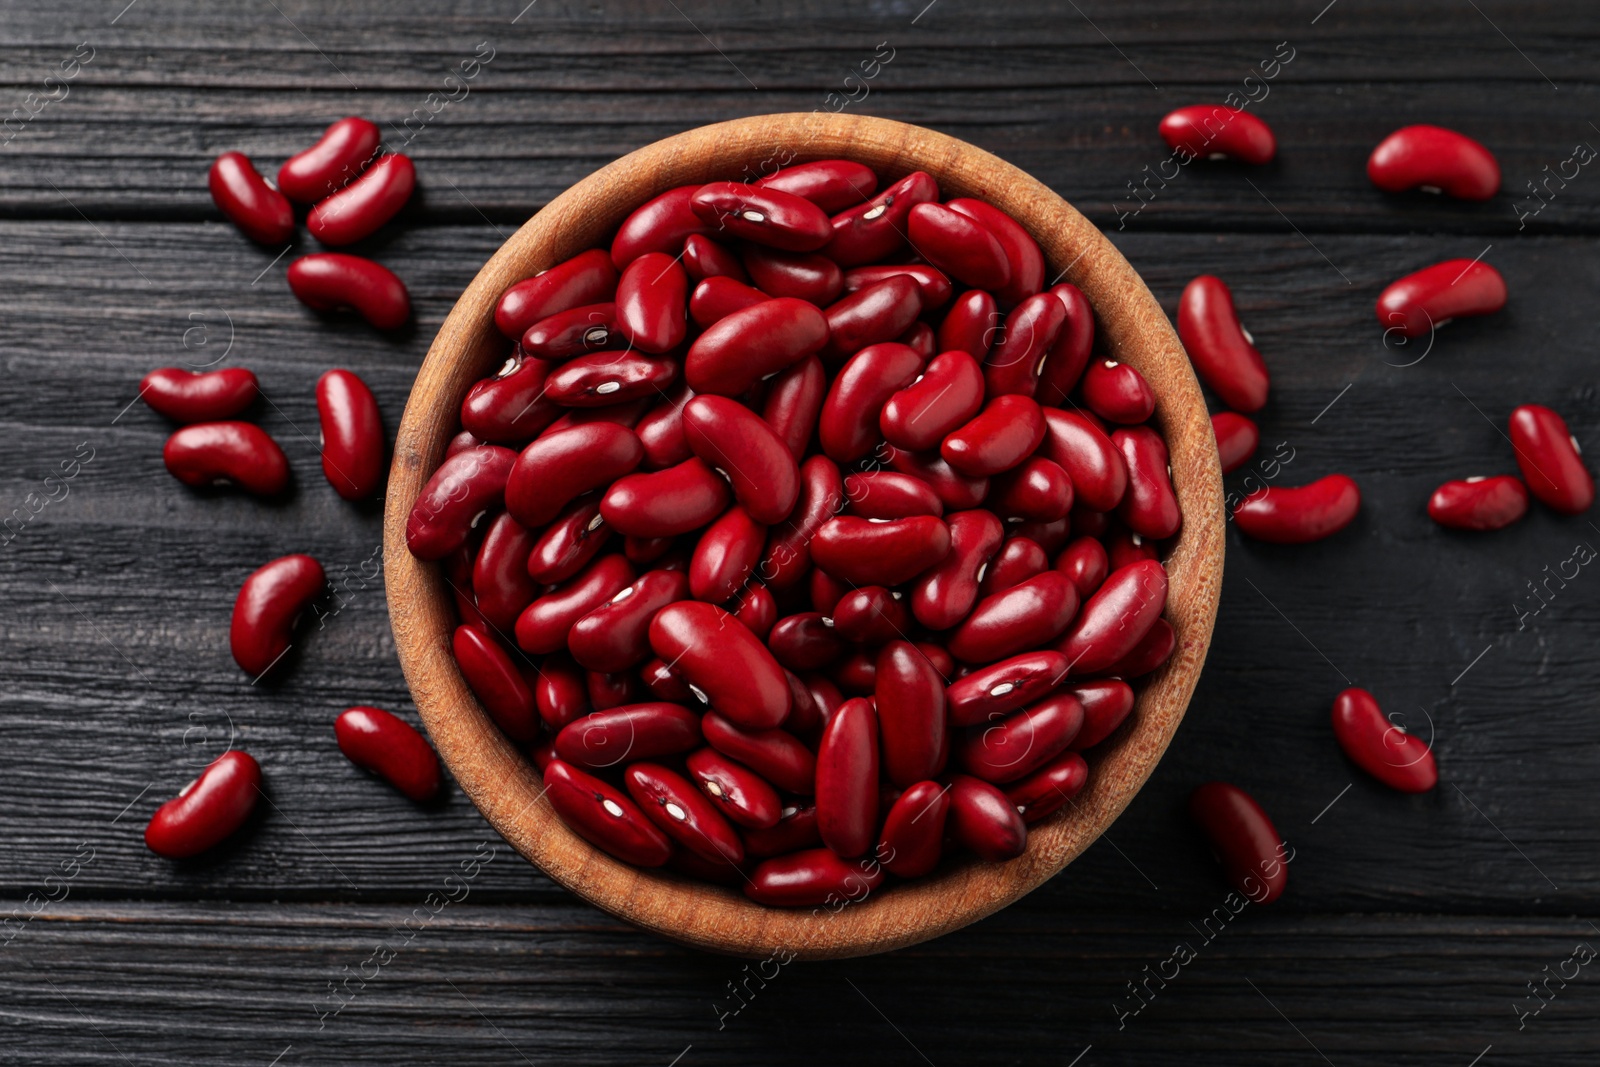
350, 925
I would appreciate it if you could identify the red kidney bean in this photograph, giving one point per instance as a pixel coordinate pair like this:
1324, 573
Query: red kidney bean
724, 660
714, 299
1030, 331
542, 752
788, 556
1098, 472
1027, 615
500, 574
574, 332
333, 281
805, 276
1064, 364
970, 325
261, 212
948, 394
460, 443
608, 691
208, 810
186, 396
1116, 618
870, 616
620, 735
602, 379
738, 792
805, 714
1124, 547
831, 184
587, 278
1153, 649
1050, 536
1021, 250
665, 503
805, 642
494, 678
725, 556
389, 747
1550, 459
1237, 439
1085, 563
1433, 296
211, 454
457, 574
921, 339
510, 407
958, 245
826, 591
340, 154
990, 692
933, 286
1046, 790
758, 464
660, 431
767, 216
603, 815
643, 550
352, 434
1007, 749
776, 755
890, 495
1380, 747
847, 429
566, 546
615, 636
982, 819
1150, 505
913, 831
954, 489
997, 439
659, 225
269, 602
812, 877
1435, 160
1479, 503
1117, 392
672, 803
362, 207
652, 302
755, 343
704, 258
757, 609
944, 595
1106, 704
1296, 516
1244, 840
1222, 351
561, 693
796, 829
847, 779
544, 624
1039, 491
559, 467
869, 232
871, 316
909, 697
1214, 131
863, 552
1020, 559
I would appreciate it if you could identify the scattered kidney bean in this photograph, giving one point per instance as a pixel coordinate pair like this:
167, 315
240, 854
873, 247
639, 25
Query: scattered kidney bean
261, 212
352, 434
1434, 160
1222, 351
208, 810
1237, 439
1433, 296
269, 603
210, 454
1296, 516
1479, 503
332, 281
1244, 840
812, 877
1550, 460
338, 157
604, 816
362, 207
983, 819
1380, 747
1215, 131
187, 396
390, 747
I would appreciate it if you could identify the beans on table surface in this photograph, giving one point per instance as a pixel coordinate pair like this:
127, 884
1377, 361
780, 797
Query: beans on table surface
1255, 859
187, 396
1215, 131
208, 810
337, 159
387, 745
1433, 159
209, 455
269, 603
261, 212
333, 281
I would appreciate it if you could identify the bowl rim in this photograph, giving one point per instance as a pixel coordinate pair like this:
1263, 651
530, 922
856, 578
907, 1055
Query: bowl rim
503, 783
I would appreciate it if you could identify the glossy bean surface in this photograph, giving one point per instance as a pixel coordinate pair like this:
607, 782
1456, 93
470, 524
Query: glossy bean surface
464, 488
890, 495
765, 215
913, 831
545, 623
587, 278
1237, 439
812, 877
945, 397
211, 454
269, 603
561, 466
1150, 505
1114, 620
724, 660
725, 556
509, 407
1030, 331
652, 303
1380, 746
1216, 131
758, 464
739, 793
618, 736
831, 184
334, 281
1244, 839
749, 345
847, 779
1099, 473
788, 555
1021, 250
661, 224
1300, 514
958, 245
338, 157
1018, 560
208, 810
705, 258
673, 803
1117, 392
998, 438
1479, 503
776, 755
1065, 362
665, 503
982, 819
909, 694
1222, 351
806, 276
1039, 490
861, 552
1550, 460
615, 636
955, 490
871, 316
869, 232
574, 332
1048, 789
359, 209
604, 816
352, 435
972, 325
1004, 750
1455, 289
500, 580
1434, 160
847, 428
494, 678
187, 396
870, 616
388, 746
261, 212
1107, 702
1025, 616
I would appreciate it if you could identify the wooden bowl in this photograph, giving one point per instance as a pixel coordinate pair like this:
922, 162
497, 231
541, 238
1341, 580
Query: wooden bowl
504, 784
